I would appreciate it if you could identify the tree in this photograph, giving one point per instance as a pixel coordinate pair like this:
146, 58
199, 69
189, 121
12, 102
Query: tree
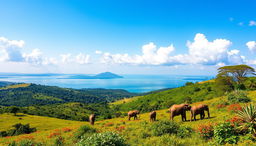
238, 73
14, 110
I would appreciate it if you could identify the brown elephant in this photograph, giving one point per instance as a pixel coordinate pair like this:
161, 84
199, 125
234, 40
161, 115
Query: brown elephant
152, 116
179, 109
199, 109
92, 119
133, 114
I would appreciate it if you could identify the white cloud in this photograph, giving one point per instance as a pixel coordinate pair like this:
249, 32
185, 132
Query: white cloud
251, 45
65, 58
98, 52
252, 23
36, 58
10, 50
200, 51
151, 55
80, 58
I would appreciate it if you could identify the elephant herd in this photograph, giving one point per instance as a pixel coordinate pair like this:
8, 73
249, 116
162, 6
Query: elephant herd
175, 110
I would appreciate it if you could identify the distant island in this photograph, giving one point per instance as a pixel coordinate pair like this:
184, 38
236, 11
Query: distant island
105, 75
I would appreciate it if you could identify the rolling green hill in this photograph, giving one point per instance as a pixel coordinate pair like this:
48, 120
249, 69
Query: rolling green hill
160, 100
32, 94
136, 132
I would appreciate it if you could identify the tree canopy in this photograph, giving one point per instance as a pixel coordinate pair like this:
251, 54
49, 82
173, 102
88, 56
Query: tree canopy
236, 72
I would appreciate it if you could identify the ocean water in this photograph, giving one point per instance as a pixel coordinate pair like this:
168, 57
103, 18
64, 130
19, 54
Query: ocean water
132, 83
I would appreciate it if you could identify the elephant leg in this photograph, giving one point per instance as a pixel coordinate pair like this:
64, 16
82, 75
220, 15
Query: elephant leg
185, 116
171, 116
129, 118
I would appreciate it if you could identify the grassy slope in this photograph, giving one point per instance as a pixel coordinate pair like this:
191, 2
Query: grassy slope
133, 132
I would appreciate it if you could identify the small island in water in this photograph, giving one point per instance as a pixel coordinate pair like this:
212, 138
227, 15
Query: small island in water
104, 75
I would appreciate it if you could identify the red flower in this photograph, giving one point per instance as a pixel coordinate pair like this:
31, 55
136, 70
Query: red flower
234, 107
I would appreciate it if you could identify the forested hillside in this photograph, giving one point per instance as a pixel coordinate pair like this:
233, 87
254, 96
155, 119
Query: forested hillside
33, 94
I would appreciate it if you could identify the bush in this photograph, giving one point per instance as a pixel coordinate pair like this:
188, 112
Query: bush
18, 129
206, 131
225, 133
59, 141
184, 131
25, 142
103, 139
238, 96
84, 131
164, 127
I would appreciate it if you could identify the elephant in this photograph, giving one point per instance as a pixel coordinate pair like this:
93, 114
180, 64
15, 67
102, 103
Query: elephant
199, 109
152, 116
133, 114
179, 109
92, 119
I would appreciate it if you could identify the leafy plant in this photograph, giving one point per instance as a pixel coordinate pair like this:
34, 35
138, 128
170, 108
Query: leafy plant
84, 131
184, 131
248, 115
225, 133
18, 129
164, 127
206, 131
238, 96
103, 139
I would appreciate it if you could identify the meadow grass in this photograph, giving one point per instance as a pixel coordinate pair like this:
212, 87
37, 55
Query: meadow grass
136, 132
16, 86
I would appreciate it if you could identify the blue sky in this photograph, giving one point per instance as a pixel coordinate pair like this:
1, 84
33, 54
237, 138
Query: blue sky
131, 37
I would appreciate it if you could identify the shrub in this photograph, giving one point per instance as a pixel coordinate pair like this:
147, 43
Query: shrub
59, 141
248, 115
18, 129
164, 127
84, 131
225, 133
184, 131
206, 131
238, 96
25, 142
103, 139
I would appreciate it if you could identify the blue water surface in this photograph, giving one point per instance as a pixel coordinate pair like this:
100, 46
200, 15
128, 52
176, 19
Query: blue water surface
132, 83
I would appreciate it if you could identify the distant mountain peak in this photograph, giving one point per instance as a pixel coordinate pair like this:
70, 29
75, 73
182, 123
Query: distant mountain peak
107, 75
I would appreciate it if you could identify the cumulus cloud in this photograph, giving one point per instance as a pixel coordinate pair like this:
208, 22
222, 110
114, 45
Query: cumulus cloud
10, 50
251, 45
252, 23
82, 58
151, 55
200, 51
36, 58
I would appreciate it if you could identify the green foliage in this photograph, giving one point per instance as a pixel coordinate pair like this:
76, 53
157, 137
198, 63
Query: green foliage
206, 131
238, 73
238, 96
25, 142
185, 131
18, 129
59, 141
14, 110
223, 85
225, 133
44, 95
103, 139
164, 127
165, 99
84, 131
189, 83
248, 115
